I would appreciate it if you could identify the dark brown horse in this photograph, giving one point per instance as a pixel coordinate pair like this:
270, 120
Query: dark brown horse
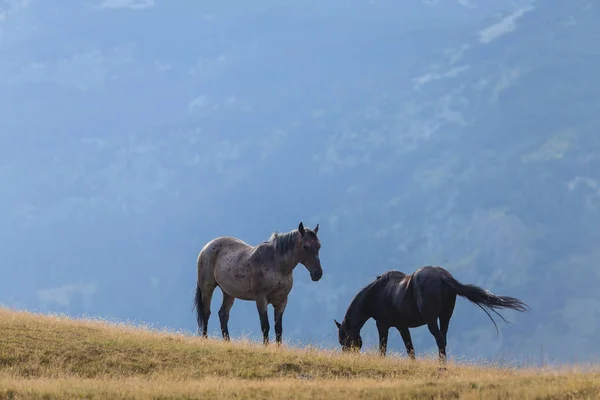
403, 301
262, 273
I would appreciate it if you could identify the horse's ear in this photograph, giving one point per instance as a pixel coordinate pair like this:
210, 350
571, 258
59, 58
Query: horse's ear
337, 324
301, 228
316, 228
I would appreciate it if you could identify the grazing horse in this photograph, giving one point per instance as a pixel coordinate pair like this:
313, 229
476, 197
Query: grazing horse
402, 301
261, 273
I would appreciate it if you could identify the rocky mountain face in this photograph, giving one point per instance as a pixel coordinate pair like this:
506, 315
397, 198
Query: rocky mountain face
463, 134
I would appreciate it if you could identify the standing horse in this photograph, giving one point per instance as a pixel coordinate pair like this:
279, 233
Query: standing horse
403, 301
260, 273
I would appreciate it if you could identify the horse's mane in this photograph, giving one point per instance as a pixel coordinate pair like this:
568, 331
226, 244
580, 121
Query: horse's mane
285, 242
358, 300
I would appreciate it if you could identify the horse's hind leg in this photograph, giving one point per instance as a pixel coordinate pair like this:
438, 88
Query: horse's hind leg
207, 293
224, 314
430, 295
205, 287
439, 339
448, 309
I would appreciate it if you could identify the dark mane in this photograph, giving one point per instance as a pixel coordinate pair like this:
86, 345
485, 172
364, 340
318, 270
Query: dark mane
354, 309
284, 242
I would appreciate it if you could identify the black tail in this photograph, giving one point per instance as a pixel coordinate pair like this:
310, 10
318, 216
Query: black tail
199, 306
484, 299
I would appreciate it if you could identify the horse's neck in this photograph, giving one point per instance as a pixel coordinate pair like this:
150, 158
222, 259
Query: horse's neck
356, 316
287, 263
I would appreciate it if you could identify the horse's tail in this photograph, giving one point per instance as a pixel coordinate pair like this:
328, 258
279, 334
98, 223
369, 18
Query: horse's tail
199, 306
198, 302
484, 299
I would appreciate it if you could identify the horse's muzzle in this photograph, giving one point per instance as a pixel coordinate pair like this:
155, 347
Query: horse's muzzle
351, 349
316, 275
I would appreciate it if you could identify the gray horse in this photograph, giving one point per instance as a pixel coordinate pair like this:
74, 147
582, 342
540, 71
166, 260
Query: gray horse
260, 273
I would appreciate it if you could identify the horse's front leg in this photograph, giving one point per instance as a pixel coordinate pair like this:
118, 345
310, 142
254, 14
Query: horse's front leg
410, 350
261, 305
383, 330
279, 310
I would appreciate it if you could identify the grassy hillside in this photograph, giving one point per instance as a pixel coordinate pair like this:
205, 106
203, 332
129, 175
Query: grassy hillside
56, 357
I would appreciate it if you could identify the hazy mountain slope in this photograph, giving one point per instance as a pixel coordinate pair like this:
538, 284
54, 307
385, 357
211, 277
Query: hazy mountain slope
414, 134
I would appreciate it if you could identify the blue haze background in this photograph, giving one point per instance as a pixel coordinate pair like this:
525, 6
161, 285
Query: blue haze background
461, 133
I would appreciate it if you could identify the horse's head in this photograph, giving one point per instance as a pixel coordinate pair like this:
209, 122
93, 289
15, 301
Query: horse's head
349, 339
308, 251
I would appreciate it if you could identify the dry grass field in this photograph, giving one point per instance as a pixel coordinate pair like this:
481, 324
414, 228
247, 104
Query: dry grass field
52, 357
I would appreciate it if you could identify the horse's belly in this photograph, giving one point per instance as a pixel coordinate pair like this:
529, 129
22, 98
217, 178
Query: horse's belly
405, 316
244, 296
412, 317
240, 289
415, 323
236, 282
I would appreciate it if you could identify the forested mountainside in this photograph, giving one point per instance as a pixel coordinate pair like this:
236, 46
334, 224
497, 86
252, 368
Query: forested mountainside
463, 134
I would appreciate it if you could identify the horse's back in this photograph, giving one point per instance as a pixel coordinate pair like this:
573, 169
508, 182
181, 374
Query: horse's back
424, 276
221, 243
216, 248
